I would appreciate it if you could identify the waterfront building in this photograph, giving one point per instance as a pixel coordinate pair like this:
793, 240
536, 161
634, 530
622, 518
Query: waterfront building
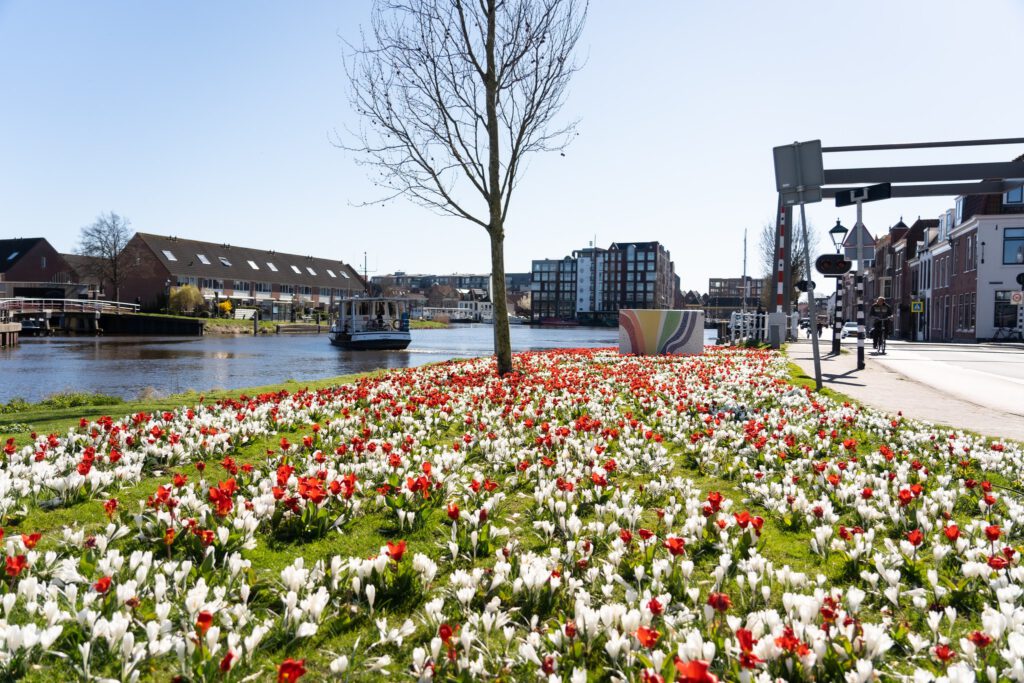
31, 267
592, 284
727, 295
553, 289
278, 283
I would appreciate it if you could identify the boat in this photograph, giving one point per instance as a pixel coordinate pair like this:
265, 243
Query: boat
558, 322
516, 319
372, 323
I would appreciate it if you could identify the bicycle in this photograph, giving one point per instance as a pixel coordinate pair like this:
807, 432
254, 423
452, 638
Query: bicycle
879, 334
1007, 334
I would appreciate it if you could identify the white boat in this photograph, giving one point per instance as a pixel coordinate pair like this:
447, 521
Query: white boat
516, 319
372, 323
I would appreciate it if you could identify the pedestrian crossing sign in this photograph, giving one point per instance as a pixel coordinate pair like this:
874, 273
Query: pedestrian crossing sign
917, 307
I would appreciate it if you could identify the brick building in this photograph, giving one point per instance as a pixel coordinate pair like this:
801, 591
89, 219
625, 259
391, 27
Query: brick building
31, 267
278, 283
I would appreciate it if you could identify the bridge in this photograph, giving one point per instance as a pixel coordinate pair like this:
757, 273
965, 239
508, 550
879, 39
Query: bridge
21, 316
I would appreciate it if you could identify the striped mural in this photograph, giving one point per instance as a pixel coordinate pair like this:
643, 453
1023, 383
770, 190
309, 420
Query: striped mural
647, 332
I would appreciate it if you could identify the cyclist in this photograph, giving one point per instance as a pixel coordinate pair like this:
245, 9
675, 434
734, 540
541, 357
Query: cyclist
881, 312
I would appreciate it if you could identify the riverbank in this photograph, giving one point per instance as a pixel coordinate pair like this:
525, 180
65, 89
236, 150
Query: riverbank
231, 326
672, 516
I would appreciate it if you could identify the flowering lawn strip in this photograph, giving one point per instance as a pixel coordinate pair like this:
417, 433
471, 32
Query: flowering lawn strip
591, 517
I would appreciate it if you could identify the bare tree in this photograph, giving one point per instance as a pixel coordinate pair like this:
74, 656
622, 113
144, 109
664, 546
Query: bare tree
106, 241
454, 95
798, 269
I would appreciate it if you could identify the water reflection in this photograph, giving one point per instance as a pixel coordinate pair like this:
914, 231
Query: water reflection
126, 366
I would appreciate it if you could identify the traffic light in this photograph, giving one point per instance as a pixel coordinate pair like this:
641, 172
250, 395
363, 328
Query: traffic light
832, 265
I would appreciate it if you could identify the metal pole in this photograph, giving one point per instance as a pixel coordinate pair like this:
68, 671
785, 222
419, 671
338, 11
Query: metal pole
812, 317
837, 318
860, 288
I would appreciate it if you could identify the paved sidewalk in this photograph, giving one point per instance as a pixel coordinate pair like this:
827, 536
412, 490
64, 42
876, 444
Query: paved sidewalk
980, 388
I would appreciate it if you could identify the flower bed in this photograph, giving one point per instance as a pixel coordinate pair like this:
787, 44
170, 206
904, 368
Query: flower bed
593, 517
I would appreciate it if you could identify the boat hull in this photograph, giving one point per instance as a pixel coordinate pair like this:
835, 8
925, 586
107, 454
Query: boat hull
372, 342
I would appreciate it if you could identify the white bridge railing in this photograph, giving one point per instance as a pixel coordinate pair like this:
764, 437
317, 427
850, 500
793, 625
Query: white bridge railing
754, 326
19, 305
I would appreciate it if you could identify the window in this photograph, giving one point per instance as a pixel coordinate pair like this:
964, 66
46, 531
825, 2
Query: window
42, 262
224, 261
271, 266
959, 211
310, 271
169, 255
13, 256
241, 286
1013, 245
203, 259
263, 287
252, 264
331, 273
344, 274
287, 289
1014, 196
297, 271
974, 310
1005, 313
325, 291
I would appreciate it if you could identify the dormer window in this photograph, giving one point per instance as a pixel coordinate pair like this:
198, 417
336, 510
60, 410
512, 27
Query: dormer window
1014, 196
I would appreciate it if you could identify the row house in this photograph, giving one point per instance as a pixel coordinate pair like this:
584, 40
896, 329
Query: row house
31, 267
966, 266
275, 282
592, 284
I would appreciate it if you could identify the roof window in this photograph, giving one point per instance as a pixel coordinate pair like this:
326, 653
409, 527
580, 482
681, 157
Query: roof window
296, 269
331, 273
14, 255
203, 259
311, 271
343, 273
252, 264
224, 261
169, 255
271, 266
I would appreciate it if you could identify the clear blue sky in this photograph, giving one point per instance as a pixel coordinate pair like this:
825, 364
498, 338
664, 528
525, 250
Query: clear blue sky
212, 120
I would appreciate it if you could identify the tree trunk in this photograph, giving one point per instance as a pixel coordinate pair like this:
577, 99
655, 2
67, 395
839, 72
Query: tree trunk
502, 340
496, 223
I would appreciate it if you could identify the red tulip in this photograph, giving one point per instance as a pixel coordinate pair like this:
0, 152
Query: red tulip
291, 670
719, 601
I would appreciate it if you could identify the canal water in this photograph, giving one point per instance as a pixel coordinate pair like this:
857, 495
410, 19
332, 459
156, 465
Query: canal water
158, 366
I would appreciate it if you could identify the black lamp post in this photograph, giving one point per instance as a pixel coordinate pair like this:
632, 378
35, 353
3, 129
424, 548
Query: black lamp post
838, 235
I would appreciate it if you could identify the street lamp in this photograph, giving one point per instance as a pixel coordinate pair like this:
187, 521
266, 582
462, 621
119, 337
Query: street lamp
838, 236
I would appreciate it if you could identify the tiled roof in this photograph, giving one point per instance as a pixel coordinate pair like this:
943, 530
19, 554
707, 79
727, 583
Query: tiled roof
12, 250
185, 257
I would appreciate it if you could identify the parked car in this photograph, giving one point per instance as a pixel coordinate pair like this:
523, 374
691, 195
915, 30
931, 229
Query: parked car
849, 329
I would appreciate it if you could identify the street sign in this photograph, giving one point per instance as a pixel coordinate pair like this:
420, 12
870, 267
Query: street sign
799, 172
872, 193
832, 265
1016, 298
861, 234
804, 285
917, 307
